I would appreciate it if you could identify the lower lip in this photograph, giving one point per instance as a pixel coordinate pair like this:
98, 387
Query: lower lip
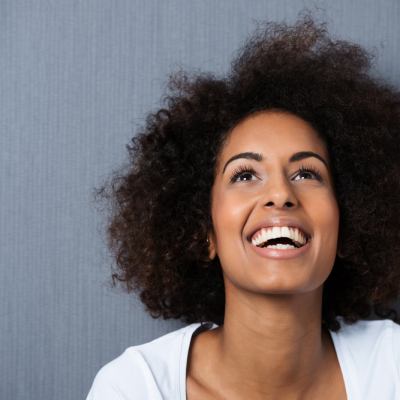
281, 253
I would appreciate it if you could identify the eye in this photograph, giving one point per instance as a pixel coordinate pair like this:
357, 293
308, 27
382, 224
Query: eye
242, 172
310, 171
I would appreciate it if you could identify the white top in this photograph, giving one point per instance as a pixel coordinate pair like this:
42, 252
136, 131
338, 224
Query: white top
368, 354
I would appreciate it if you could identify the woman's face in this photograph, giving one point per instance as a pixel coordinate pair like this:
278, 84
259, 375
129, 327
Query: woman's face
253, 191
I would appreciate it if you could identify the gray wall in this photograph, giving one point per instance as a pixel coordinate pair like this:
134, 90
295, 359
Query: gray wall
76, 79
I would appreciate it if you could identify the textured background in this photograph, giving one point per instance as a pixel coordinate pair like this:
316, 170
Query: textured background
77, 78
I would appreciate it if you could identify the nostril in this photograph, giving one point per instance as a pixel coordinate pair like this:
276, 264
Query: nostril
288, 204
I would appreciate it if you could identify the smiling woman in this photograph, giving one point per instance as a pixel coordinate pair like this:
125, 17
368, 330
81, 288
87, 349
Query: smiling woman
277, 190
261, 208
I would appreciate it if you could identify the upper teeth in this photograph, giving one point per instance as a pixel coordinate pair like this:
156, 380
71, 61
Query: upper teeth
273, 232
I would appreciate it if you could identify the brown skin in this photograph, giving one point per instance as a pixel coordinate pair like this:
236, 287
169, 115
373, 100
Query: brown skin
271, 345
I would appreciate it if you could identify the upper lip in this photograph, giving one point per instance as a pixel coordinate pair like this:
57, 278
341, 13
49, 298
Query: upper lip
280, 221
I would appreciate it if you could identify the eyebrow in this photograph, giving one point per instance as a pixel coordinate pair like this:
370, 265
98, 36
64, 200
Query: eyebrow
301, 155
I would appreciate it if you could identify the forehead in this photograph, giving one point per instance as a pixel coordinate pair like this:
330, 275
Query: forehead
274, 134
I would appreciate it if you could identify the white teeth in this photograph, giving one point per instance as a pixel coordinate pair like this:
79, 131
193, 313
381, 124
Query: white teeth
285, 231
265, 234
281, 246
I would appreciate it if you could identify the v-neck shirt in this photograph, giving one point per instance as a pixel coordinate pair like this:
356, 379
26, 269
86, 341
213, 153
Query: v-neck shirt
368, 353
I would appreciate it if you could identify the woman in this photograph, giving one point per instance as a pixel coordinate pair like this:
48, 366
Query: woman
262, 209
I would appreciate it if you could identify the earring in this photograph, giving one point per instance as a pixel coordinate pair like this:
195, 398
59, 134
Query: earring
208, 245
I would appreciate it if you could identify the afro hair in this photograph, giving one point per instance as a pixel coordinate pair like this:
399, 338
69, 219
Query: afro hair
160, 213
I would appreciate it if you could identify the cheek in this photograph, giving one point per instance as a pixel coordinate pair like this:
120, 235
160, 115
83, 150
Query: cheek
327, 221
322, 207
229, 213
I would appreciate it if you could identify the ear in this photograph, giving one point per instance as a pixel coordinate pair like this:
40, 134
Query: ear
212, 252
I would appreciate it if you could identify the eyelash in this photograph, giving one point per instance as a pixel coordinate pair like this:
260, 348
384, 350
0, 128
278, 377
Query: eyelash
245, 169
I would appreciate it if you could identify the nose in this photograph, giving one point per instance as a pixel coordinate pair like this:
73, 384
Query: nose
280, 194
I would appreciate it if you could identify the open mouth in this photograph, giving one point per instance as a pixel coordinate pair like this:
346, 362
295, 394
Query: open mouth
281, 248
283, 243
280, 237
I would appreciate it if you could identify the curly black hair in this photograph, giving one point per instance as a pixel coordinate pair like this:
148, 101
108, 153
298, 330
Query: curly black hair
161, 202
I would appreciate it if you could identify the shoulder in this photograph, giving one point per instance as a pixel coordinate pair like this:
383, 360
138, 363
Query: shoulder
371, 343
119, 378
142, 371
396, 346
368, 331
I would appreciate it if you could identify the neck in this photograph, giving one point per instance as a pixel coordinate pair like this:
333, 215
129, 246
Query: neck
272, 345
